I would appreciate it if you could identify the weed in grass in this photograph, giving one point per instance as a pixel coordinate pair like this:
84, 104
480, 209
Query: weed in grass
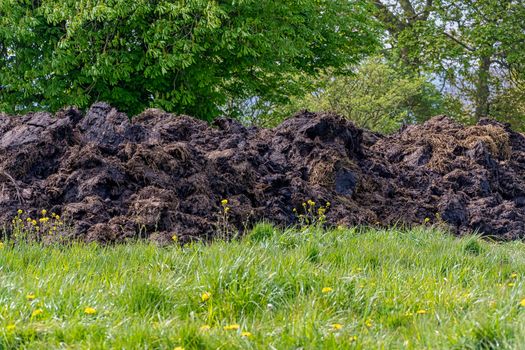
41, 228
311, 215
224, 229
473, 246
261, 232
313, 253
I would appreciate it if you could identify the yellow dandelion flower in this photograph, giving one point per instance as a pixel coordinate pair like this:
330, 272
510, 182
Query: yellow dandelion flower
44, 212
427, 220
20, 211
174, 238
511, 284
205, 328
90, 311
33, 222
421, 312
205, 297
178, 348
353, 338
232, 327
328, 204
224, 202
514, 275
31, 297
311, 203
368, 323
337, 326
10, 327
37, 312
327, 290
246, 334
522, 302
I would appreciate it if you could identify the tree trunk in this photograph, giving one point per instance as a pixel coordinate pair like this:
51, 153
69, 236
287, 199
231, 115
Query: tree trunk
482, 89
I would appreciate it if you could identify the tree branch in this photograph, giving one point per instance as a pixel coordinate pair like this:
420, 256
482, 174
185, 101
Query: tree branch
407, 7
392, 23
501, 63
457, 41
426, 10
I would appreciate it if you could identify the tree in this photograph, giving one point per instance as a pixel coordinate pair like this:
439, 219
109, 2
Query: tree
184, 56
377, 96
477, 48
509, 105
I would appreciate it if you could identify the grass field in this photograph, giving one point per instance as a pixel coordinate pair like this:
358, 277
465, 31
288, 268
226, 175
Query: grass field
363, 289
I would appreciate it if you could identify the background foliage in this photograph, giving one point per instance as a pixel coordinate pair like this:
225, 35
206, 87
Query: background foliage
377, 95
474, 49
184, 56
260, 61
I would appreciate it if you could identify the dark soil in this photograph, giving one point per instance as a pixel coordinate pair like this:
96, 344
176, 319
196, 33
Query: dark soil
163, 175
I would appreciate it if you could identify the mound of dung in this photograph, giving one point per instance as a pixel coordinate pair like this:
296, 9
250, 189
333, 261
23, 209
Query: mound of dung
163, 175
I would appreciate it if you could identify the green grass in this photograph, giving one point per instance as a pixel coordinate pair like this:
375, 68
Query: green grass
270, 283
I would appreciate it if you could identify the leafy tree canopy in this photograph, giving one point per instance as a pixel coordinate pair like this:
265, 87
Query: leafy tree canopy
378, 96
475, 47
186, 56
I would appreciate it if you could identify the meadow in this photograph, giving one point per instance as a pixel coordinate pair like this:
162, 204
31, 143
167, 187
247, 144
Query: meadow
360, 288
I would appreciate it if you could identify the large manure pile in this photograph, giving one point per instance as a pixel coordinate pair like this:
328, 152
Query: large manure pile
163, 175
